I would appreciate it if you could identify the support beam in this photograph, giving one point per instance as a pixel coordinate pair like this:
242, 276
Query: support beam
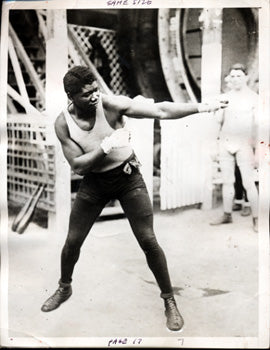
42, 24
211, 52
56, 100
211, 19
26, 61
142, 140
22, 101
4, 315
17, 71
11, 108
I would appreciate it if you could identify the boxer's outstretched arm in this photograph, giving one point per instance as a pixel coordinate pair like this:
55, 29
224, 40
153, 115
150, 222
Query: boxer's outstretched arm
144, 108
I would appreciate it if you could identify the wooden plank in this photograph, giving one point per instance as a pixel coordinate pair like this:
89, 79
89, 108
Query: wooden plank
211, 19
142, 141
42, 24
17, 97
56, 100
18, 72
211, 52
5, 309
27, 62
182, 165
11, 107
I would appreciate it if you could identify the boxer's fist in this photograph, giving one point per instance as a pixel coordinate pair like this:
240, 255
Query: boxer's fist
212, 106
119, 138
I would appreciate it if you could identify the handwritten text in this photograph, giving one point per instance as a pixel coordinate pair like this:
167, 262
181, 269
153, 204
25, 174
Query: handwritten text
124, 341
128, 2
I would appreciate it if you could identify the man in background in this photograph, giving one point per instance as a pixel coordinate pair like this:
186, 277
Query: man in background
237, 142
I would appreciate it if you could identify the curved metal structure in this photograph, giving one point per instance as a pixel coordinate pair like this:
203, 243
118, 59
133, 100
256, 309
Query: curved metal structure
172, 55
180, 41
161, 49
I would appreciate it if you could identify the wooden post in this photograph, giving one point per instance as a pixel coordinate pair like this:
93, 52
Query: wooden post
56, 100
142, 141
17, 71
26, 61
4, 315
211, 65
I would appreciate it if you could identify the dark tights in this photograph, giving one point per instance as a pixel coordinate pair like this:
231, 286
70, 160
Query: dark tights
138, 209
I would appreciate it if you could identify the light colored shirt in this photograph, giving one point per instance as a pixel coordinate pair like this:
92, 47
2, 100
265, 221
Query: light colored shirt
90, 140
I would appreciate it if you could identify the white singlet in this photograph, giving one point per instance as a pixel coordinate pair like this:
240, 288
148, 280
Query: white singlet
90, 140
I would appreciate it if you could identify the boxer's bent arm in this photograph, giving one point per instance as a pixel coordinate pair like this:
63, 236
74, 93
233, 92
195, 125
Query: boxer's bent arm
84, 163
81, 163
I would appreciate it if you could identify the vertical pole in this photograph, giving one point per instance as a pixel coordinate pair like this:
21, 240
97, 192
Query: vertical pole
142, 141
56, 100
3, 171
18, 72
211, 19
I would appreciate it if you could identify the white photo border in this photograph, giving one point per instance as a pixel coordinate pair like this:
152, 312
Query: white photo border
262, 341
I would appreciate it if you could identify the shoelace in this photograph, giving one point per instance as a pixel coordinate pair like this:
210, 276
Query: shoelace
59, 291
171, 306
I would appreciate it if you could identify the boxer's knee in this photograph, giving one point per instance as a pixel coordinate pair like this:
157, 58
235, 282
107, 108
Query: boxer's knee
149, 243
71, 247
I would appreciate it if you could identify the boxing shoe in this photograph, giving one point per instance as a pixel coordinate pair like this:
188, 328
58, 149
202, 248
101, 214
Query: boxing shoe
226, 218
62, 293
175, 321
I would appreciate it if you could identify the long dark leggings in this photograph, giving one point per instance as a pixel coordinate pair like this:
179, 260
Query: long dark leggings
138, 209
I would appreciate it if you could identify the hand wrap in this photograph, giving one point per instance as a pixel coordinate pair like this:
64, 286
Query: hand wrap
119, 138
211, 106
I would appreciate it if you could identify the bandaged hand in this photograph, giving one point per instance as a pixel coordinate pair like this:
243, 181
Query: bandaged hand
119, 138
212, 106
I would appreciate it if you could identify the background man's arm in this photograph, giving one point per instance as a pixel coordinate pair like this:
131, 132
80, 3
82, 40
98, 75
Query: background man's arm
80, 162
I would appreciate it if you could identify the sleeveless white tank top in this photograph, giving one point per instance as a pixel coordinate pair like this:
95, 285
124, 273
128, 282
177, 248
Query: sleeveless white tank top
90, 140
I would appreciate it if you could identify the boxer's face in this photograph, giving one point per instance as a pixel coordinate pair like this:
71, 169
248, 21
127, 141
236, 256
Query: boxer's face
88, 97
236, 79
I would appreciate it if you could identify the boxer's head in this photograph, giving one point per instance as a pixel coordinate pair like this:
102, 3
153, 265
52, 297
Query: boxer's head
81, 87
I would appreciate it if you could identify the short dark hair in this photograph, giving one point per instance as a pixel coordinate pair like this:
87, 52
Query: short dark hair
239, 66
76, 78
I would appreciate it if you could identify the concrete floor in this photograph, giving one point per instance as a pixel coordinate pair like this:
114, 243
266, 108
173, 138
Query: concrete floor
214, 272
